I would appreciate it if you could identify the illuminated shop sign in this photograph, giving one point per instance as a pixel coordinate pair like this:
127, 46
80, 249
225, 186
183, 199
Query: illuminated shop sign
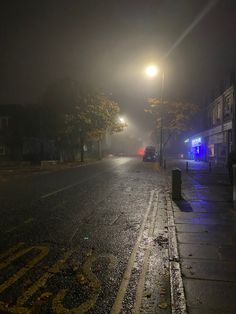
196, 141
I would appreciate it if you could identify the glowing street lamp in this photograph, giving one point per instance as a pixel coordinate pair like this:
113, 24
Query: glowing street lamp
151, 71
122, 120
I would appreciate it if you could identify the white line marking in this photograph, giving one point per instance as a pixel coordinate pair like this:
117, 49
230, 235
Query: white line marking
67, 187
59, 190
78, 182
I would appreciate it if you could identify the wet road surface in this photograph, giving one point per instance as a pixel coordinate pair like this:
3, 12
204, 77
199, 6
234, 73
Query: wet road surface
91, 239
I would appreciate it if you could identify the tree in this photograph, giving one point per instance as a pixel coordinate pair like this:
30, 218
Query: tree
173, 116
74, 114
93, 116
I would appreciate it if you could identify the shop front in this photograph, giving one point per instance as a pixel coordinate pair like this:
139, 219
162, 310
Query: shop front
219, 147
198, 149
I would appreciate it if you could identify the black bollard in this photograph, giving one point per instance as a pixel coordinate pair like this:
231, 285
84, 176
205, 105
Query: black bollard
186, 166
209, 166
164, 164
176, 184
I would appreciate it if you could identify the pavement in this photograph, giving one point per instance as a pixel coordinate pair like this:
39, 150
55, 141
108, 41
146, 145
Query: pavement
10, 170
205, 228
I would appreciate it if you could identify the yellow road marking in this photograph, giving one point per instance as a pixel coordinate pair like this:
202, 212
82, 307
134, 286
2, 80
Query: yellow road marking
117, 306
28, 220
57, 303
11, 250
13, 257
18, 307
20, 273
141, 282
42, 280
14, 310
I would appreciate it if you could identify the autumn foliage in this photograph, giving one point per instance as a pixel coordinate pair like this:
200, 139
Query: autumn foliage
174, 116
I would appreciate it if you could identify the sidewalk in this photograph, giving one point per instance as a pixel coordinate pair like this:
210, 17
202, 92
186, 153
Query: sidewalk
205, 226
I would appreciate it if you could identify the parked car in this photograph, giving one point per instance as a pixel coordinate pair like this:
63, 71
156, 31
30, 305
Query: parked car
150, 154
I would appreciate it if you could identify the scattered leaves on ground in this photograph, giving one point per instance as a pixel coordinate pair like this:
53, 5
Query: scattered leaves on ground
163, 305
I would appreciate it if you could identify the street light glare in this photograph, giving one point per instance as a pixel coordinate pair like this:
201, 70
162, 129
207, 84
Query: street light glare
151, 70
122, 120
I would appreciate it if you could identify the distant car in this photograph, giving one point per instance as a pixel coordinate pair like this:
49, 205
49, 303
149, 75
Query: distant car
150, 154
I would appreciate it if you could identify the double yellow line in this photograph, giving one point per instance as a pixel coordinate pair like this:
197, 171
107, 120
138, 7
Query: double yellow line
117, 306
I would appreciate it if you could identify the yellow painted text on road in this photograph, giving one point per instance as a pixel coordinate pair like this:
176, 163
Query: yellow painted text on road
39, 253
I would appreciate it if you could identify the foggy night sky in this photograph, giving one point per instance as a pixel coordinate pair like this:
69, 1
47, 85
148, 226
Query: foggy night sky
110, 42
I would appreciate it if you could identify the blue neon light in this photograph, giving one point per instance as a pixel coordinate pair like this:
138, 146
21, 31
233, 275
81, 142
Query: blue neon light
196, 141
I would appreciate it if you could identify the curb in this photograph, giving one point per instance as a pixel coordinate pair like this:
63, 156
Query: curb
178, 300
43, 169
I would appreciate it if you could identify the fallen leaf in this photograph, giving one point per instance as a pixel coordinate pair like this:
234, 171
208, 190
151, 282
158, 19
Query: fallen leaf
89, 253
27, 282
8, 305
82, 279
163, 305
45, 295
162, 291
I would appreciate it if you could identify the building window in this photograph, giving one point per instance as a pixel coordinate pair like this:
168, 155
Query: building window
215, 118
217, 114
230, 138
211, 150
228, 106
2, 150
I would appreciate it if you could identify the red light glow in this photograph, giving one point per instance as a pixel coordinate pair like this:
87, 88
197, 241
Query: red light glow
141, 151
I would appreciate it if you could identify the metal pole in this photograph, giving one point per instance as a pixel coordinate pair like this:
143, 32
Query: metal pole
164, 164
233, 119
209, 166
161, 125
234, 186
186, 166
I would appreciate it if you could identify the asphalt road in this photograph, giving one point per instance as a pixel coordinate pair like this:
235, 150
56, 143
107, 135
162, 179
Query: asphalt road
91, 239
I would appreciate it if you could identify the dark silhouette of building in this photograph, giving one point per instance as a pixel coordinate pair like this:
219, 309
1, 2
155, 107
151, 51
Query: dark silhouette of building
20, 134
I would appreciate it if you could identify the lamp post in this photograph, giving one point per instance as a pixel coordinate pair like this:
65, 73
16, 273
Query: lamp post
152, 71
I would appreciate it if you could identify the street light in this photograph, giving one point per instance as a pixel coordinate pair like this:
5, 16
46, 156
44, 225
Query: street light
152, 71
122, 120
